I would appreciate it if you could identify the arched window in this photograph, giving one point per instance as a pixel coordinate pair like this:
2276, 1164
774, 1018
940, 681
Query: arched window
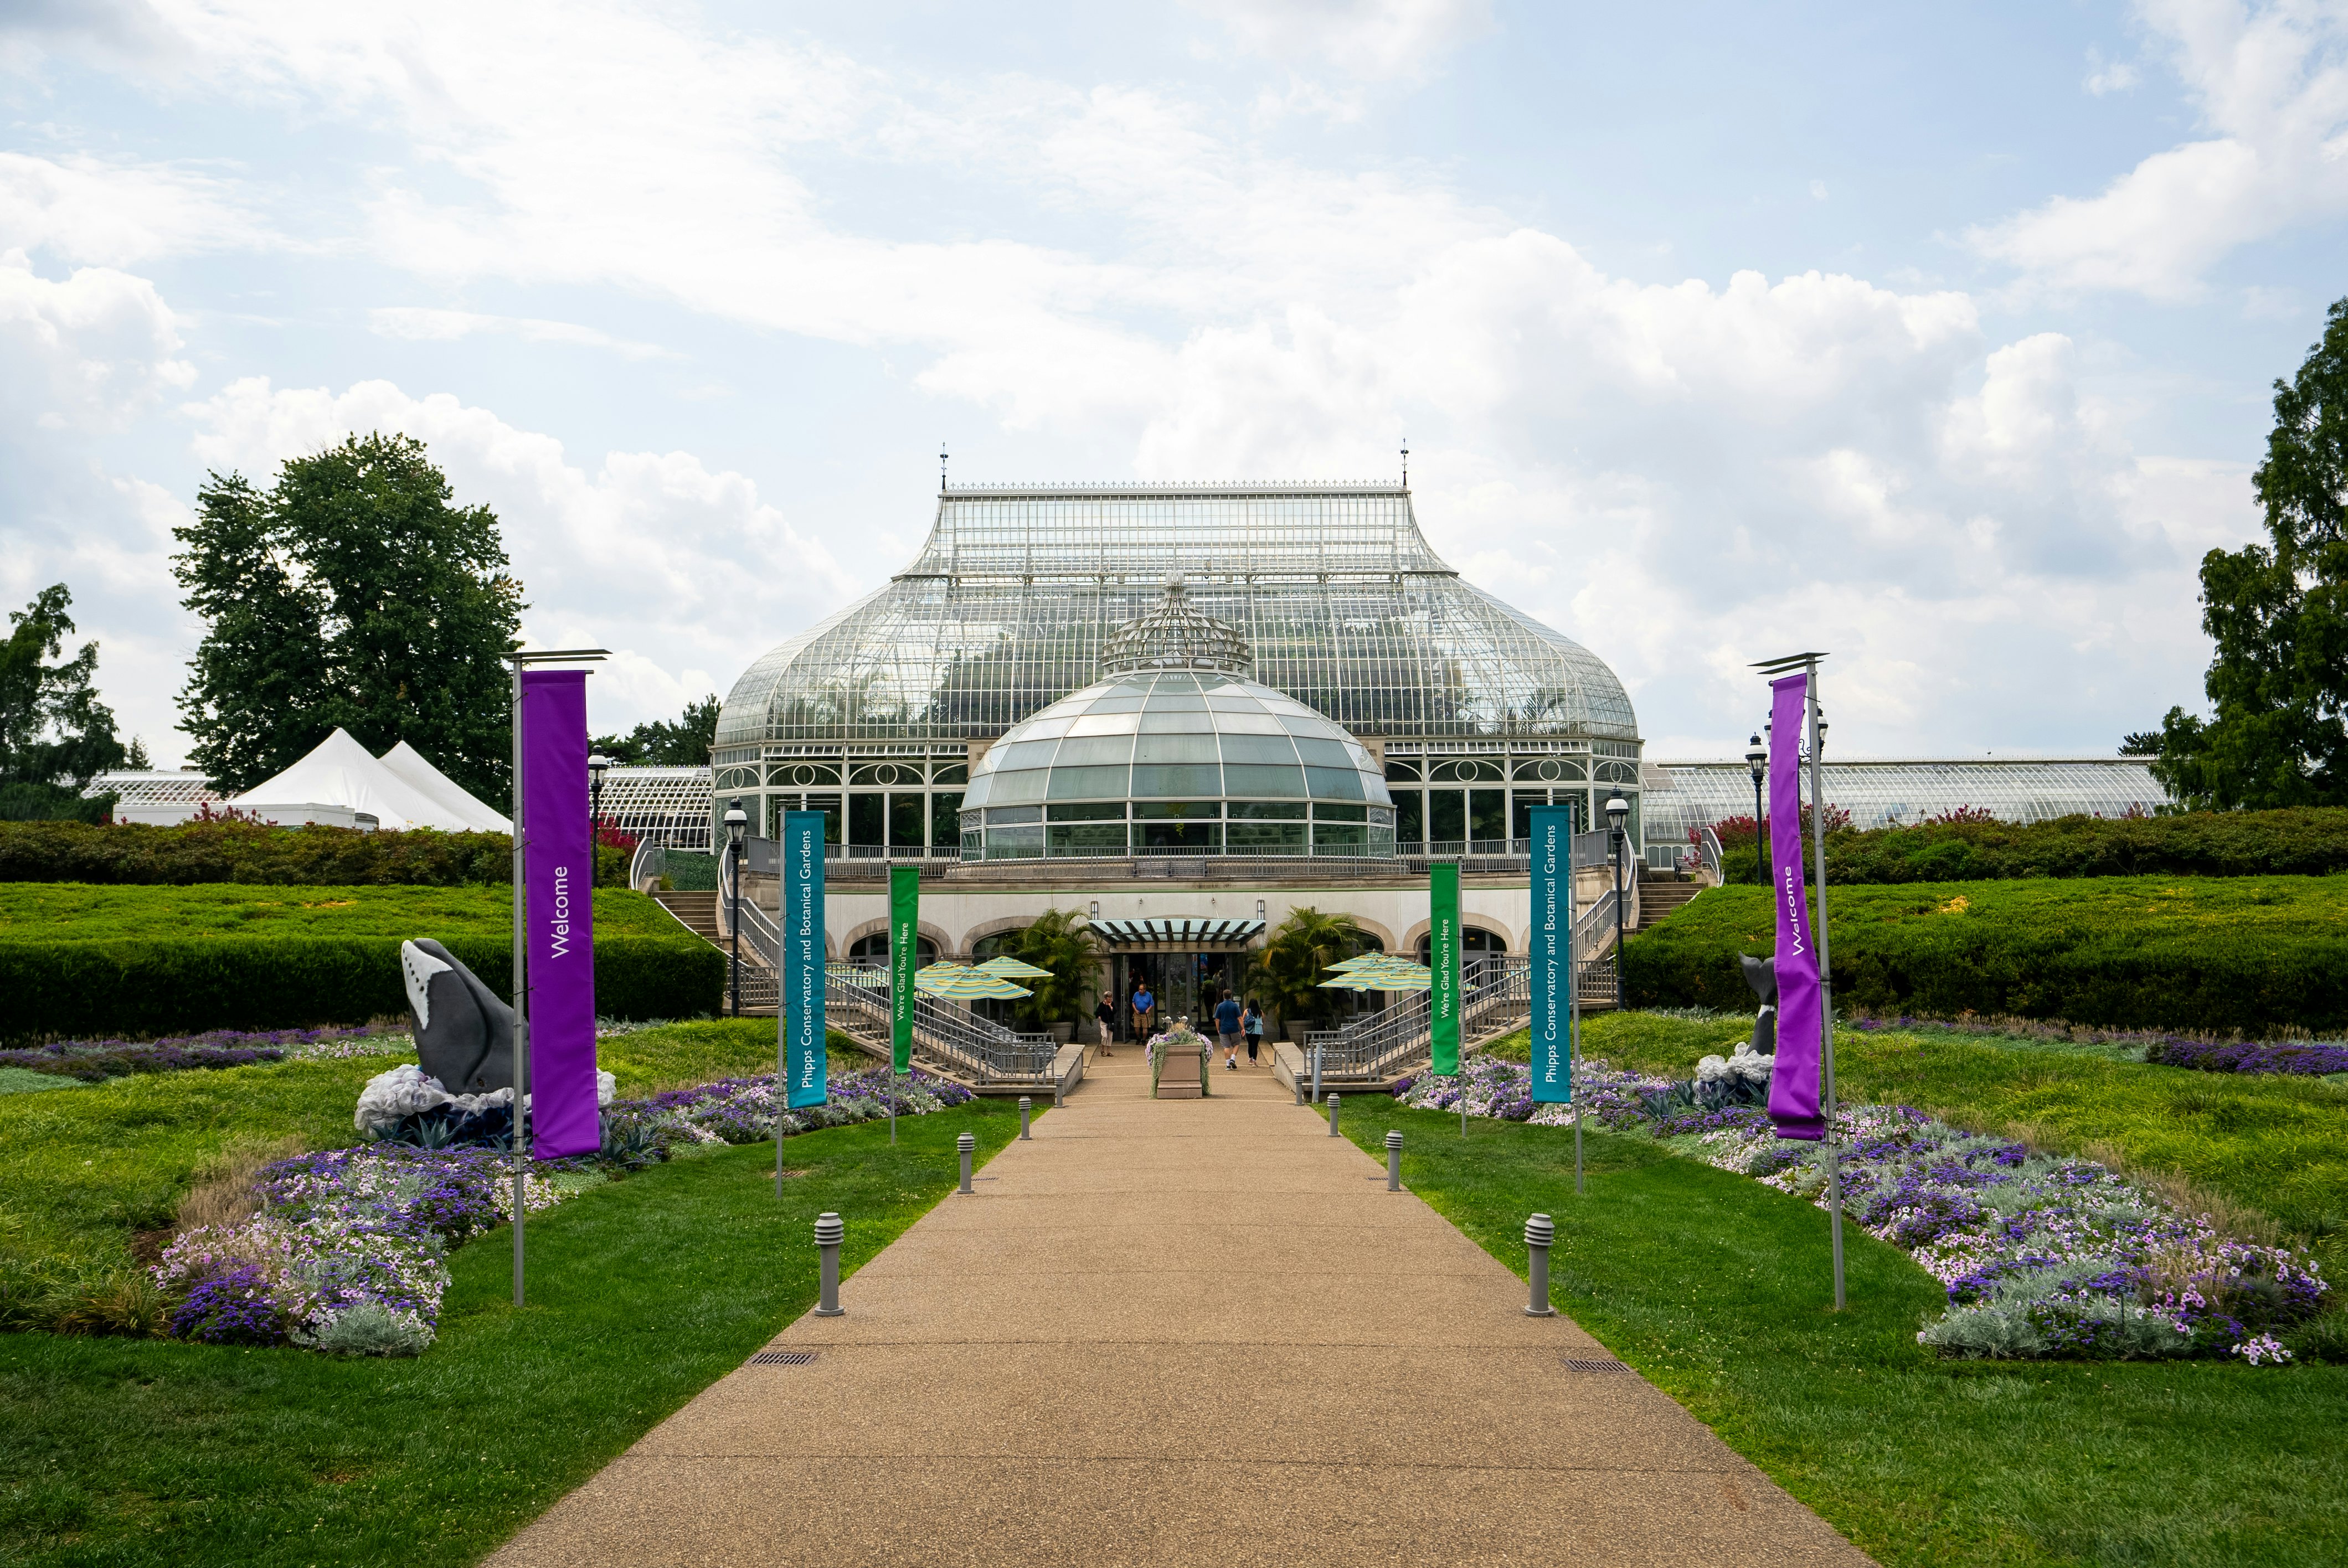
1473, 941
875, 949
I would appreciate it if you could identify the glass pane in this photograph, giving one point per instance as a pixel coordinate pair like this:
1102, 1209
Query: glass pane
1176, 749
1323, 813
1013, 843
1164, 809
906, 826
1091, 838
1158, 721
1241, 778
1446, 816
1018, 813
1018, 788
1333, 783
830, 806
979, 789
1277, 749
1340, 837
1266, 810
1086, 784
1099, 811
1487, 815
1093, 750
1025, 755
945, 809
1401, 771
952, 773
1322, 753
866, 820
1263, 838
1410, 819
1198, 837
1248, 724
1183, 780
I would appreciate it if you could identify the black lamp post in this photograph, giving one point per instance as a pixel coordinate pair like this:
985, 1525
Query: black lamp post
737, 821
1618, 812
1757, 762
595, 766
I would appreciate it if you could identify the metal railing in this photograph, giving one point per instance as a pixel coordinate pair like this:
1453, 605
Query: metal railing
1493, 987
952, 1036
762, 945
648, 864
1707, 845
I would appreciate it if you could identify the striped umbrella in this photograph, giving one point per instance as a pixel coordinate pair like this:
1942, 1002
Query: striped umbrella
954, 982
1011, 969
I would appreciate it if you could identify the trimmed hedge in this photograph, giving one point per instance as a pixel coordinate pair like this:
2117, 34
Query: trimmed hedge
2306, 842
276, 857
91, 912
148, 987
2252, 954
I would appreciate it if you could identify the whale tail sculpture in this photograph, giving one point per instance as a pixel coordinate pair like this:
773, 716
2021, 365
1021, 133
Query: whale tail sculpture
464, 1034
1762, 976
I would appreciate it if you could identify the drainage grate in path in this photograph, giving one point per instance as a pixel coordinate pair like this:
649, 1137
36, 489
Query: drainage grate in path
1589, 1364
782, 1358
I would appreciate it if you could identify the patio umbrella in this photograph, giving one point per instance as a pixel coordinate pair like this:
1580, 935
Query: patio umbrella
1011, 969
1362, 961
956, 983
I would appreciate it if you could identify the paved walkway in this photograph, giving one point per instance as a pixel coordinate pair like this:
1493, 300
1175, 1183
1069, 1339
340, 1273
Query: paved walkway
1180, 1331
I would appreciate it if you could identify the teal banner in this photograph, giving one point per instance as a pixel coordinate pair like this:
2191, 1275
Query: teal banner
1443, 956
803, 1064
1552, 954
904, 957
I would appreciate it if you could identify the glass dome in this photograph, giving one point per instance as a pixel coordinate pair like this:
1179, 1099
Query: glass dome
1165, 761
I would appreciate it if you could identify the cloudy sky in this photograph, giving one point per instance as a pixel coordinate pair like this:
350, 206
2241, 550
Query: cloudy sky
1938, 337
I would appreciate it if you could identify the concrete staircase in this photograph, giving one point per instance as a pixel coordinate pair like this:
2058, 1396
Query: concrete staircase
1660, 897
696, 912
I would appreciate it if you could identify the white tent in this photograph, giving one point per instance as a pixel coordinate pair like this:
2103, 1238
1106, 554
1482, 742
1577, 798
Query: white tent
340, 776
420, 776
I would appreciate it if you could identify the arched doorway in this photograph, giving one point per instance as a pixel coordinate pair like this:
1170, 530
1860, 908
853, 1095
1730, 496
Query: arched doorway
1474, 942
875, 949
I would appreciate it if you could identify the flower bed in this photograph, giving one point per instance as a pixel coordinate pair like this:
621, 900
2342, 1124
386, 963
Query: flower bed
2200, 1053
95, 1060
348, 1252
2042, 1255
2313, 1059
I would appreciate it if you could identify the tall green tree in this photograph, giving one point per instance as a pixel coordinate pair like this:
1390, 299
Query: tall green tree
2278, 688
354, 593
53, 729
683, 744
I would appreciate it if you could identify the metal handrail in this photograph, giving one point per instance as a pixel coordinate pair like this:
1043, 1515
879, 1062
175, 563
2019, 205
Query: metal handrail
950, 1034
1492, 987
1707, 844
648, 864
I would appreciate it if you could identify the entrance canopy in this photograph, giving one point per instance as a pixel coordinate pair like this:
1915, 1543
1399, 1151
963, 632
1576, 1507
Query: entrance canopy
1178, 936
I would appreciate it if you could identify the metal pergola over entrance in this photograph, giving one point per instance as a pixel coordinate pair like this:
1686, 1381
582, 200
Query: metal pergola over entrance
1185, 963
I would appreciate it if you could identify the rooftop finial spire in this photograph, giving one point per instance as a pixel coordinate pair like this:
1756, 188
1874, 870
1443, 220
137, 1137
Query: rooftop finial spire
941, 468
1406, 462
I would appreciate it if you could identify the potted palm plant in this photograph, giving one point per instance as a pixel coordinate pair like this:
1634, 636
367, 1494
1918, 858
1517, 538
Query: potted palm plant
1296, 958
1058, 942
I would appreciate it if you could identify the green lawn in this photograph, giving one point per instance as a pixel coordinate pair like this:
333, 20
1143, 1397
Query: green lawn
74, 911
2274, 1144
642, 1292
83, 1173
1718, 1289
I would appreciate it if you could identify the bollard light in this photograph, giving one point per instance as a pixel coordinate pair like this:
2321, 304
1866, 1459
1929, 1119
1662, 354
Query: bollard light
830, 1232
1024, 1104
1394, 1161
968, 1144
1333, 1115
1541, 1231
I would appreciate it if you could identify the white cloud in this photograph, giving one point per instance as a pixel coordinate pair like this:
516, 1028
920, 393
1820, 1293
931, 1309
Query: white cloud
648, 556
2108, 76
85, 352
2273, 85
81, 209
1376, 40
419, 325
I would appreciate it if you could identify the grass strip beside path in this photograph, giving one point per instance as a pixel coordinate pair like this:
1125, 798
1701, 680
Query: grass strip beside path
1718, 1289
2274, 1144
642, 1292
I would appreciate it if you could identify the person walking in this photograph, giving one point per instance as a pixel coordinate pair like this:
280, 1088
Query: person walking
1105, 1012
1253, 1024
1227, 1024
1142, 1002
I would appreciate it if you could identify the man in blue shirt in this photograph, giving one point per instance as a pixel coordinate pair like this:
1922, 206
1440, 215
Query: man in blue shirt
1142, 1002
1227, 1024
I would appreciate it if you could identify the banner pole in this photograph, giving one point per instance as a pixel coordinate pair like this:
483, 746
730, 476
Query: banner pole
1826, 977
520, 988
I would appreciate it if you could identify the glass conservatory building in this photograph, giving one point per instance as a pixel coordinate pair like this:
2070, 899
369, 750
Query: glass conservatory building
1318, 664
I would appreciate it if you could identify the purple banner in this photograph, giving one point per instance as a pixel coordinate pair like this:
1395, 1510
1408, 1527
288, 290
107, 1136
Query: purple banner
559, 869
1794, 1083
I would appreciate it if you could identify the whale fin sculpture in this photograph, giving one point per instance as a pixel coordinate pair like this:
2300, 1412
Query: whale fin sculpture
464, 1034
1762, 976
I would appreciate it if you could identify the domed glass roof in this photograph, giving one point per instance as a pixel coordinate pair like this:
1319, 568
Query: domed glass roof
1175, 736
1019, 591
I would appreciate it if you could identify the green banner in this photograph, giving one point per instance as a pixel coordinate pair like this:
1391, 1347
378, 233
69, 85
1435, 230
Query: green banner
1443, 944
904, 956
